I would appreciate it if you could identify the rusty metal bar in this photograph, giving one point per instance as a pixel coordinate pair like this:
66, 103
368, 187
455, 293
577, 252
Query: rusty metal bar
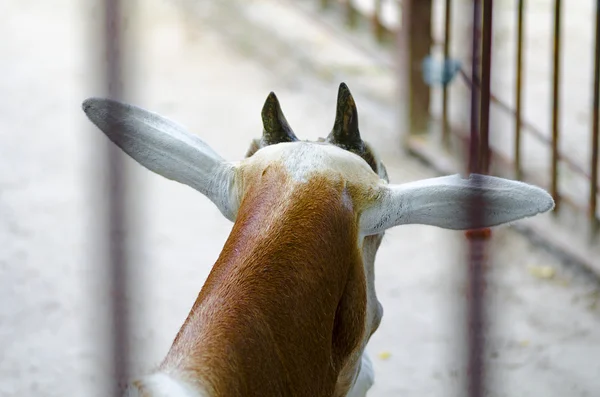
486, 74
477, 243
116, 244
518, 90
475, 97
477, 240
595, 126
556, 104
447, 24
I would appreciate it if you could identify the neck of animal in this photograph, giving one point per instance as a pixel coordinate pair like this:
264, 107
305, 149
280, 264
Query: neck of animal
283, 308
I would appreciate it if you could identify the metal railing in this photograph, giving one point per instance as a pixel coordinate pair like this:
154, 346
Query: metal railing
522, 127
579, 206
415, 42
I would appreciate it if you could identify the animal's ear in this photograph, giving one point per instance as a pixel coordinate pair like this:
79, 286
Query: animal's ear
168, 149
447, 202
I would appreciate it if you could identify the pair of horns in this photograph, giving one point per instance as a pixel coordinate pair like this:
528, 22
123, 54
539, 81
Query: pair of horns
345, 131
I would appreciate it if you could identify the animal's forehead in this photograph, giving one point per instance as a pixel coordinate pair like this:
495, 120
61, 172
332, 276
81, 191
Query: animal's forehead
302, 159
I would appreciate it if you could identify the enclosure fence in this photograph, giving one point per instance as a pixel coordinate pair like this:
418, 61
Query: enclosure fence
414, 40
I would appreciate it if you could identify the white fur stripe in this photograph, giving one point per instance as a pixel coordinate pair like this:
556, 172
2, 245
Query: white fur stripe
162, 385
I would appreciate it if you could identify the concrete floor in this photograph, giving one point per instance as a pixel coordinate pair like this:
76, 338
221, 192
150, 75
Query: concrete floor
210, 66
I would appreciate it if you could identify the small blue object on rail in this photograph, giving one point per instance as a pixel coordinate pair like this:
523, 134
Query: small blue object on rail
439, 72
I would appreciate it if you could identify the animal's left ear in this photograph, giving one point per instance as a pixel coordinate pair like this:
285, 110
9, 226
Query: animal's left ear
167, 149
447, 202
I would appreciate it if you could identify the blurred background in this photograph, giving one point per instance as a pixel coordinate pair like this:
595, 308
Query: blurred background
209, 65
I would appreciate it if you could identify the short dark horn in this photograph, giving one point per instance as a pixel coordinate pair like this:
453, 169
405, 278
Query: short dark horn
276, 128
345, 128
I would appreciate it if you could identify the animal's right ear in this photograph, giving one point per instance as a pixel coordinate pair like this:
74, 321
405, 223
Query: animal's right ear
448, 202
168, 149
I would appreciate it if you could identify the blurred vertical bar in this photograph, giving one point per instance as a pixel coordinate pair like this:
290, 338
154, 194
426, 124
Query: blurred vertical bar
478, 163
475, 105
377, 26
351, 14
416, 45
595, 126
518, 90
447, 26
555, 104
118, 282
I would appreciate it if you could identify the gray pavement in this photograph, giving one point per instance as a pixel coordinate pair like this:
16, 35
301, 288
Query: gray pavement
210, 66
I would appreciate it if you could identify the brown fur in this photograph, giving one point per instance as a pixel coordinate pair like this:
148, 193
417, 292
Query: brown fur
284, 307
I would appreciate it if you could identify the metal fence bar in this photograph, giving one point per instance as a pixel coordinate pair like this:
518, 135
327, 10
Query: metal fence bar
556, 104
595, 125
447, 25
518, 90
478, 160
116, 242
477, 244
486, 74
474, 146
